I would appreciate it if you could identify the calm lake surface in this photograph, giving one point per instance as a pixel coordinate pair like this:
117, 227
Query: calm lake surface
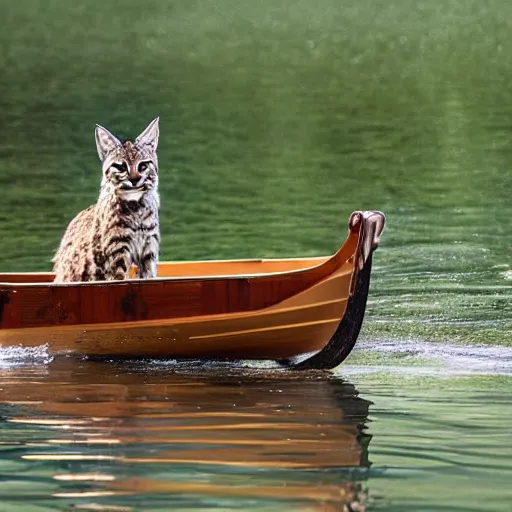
278, 119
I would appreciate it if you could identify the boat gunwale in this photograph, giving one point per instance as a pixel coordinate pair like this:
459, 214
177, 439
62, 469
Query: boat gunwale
322, 261
177, 263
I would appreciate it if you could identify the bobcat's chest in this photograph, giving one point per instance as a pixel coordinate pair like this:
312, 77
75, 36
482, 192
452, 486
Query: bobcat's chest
139, 240
141, 224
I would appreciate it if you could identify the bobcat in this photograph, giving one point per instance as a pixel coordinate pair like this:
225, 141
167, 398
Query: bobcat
122, 228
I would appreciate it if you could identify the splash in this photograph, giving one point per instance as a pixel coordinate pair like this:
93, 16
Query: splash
215, 364
430, 358
17, 355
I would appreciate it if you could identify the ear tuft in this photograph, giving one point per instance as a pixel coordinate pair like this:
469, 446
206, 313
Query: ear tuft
105, 141
149, 137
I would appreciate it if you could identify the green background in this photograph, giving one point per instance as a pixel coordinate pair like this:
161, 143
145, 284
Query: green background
278, 118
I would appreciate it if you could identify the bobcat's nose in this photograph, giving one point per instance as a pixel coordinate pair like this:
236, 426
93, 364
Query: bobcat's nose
134, 181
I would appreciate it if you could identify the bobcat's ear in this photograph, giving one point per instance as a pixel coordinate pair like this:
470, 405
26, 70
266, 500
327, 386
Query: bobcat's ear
149, 137
105, 142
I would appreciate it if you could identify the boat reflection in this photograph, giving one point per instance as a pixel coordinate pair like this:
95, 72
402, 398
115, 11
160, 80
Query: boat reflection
109, 434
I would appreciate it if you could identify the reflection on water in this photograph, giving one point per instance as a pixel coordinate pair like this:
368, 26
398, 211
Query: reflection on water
96, 434
418, 435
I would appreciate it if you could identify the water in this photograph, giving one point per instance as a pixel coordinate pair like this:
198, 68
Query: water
420, 434
278, 119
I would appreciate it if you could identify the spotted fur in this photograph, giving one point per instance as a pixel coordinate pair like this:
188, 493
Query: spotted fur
122, 228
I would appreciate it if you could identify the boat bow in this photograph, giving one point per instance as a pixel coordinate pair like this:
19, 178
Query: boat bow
369, 226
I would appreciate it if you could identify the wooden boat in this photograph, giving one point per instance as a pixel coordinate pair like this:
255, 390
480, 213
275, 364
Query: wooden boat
305, 312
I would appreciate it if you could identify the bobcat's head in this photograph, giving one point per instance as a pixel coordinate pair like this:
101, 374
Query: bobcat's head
130, 168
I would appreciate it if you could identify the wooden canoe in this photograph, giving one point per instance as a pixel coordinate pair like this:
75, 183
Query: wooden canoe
305, 312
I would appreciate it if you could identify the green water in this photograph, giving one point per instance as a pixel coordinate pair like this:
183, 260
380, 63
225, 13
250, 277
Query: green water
278, 119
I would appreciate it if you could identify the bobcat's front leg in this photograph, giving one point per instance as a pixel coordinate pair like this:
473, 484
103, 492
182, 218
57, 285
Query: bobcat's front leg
118, 259
149, 257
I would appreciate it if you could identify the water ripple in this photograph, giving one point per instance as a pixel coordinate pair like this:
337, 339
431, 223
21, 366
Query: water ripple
432, 358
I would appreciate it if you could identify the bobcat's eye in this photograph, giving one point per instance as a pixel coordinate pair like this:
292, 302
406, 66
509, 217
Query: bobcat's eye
120, 167
143, 166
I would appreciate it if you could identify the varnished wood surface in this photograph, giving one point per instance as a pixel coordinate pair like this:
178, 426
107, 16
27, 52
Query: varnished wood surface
42, 305
300, 324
